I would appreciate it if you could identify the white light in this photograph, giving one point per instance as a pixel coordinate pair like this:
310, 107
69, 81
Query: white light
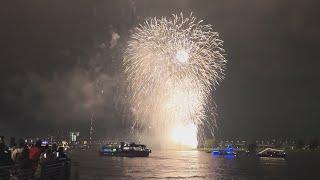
185, 135
182, 56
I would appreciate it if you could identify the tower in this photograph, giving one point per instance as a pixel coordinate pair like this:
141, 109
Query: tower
91, 129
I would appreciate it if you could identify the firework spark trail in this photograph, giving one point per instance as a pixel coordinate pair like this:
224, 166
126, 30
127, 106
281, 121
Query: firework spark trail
172, 66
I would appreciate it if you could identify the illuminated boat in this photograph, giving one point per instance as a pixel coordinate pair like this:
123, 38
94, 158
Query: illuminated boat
132, 150
273, 153
125, 150
229, 150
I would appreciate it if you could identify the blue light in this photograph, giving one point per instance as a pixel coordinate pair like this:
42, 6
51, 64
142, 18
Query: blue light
106, 150
216, 152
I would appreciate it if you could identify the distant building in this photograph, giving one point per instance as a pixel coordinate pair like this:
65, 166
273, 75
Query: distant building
2, 139
73, 136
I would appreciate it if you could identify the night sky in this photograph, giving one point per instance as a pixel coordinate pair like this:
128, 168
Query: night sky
56, 60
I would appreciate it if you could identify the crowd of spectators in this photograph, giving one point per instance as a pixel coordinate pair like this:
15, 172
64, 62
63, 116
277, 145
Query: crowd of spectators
30, 156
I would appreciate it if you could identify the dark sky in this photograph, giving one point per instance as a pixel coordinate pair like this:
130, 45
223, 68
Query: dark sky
54, 64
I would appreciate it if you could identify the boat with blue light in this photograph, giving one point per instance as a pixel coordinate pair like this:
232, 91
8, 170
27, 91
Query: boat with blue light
229, 150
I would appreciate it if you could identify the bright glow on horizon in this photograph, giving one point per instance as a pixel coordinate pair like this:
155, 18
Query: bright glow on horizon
185, 135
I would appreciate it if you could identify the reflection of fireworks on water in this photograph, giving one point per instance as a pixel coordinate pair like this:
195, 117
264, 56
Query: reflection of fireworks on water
172, 66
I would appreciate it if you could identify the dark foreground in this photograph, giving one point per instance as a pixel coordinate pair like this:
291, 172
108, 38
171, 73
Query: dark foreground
196, 165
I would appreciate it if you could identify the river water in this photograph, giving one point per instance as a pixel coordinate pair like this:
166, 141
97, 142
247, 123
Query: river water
196, 165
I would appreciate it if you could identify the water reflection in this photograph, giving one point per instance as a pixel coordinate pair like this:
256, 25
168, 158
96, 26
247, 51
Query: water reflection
230, 157
182, 165
273, 161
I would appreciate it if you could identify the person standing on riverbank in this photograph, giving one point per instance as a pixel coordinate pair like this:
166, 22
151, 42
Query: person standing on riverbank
16, 153
5, 160
35, 151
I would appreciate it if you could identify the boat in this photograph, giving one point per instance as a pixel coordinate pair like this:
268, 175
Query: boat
272, 153
124, 149
229, 150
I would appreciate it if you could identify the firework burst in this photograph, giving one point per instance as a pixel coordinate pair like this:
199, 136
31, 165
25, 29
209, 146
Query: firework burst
172, 66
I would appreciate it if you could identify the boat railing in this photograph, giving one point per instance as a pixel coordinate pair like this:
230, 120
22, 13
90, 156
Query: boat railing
59, 169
